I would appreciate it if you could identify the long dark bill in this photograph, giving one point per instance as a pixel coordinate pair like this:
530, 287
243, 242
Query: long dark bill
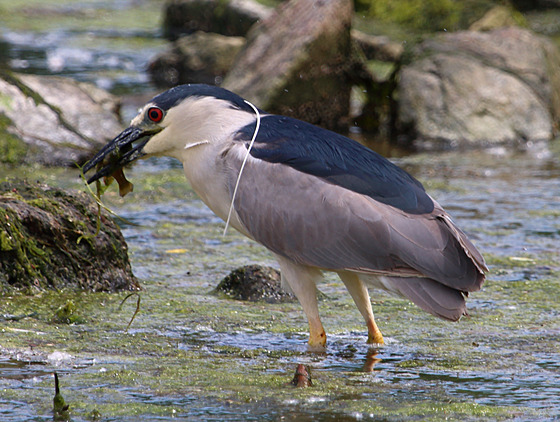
119, 152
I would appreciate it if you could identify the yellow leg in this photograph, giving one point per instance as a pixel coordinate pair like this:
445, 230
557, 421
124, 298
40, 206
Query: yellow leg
317, 335
374, 333
360, 294
301, 280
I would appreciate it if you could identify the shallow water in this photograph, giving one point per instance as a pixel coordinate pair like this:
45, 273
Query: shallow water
192, 355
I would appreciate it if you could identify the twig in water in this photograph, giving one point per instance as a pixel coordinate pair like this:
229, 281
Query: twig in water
135, 312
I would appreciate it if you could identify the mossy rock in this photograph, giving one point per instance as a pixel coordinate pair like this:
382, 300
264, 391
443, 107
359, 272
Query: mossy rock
254, 283
48, 240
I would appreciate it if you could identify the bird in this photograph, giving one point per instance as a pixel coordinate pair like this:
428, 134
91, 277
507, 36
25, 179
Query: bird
318, 200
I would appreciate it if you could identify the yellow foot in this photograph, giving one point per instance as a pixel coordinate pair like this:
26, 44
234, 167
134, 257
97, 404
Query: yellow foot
317, 341
374, 335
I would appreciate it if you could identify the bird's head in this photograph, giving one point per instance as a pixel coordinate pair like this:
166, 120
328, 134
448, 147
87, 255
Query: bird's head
171, 123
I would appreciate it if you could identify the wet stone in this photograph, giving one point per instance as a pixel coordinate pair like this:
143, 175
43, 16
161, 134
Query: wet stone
48, 239
254, 283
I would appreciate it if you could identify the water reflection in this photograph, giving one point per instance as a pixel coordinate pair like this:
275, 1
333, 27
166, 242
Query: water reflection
14, 369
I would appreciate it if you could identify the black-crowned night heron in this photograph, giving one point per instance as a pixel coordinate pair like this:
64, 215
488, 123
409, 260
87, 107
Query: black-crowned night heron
316, 199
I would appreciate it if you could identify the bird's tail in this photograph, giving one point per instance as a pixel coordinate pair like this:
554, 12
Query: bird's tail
431, 296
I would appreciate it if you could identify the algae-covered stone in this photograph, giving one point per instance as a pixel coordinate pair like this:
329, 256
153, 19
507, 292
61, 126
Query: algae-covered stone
48, 240
254, 283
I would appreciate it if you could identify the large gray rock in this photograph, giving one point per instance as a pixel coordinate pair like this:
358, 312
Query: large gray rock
296, 62
229, 17
58, 121
201, 57
479, 89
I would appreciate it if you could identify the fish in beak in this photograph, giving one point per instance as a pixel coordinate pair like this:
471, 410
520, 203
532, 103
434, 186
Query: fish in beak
111, 159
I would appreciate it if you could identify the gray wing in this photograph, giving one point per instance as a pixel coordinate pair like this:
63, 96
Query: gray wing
316, 223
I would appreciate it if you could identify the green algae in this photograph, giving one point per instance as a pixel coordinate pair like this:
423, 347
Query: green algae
416, 16
177, 364
68, 314
27, 256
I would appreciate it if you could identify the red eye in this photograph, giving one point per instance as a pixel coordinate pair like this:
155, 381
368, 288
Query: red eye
155, 114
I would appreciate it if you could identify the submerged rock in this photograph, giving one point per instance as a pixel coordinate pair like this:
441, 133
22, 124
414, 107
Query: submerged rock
254, 283
48, 240
471, 88
296, 62
52, 120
